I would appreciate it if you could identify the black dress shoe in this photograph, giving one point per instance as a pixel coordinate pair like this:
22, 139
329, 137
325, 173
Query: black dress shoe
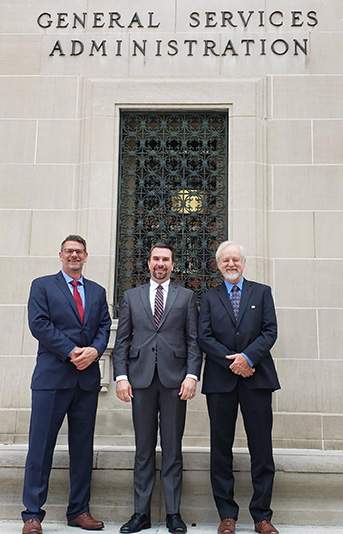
175, 524
136, 523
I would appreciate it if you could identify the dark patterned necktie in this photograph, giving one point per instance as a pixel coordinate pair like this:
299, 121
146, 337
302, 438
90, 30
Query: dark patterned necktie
158, 308
235, 300
78, 300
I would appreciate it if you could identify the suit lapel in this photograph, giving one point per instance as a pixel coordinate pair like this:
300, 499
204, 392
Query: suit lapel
224, 297
61, 283
88, 298
172, 293
145, 296
246, 292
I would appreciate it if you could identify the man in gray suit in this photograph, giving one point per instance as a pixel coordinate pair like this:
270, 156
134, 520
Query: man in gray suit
156, 366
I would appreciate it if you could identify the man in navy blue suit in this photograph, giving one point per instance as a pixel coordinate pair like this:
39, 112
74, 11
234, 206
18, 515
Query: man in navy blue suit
237, 328
68, 315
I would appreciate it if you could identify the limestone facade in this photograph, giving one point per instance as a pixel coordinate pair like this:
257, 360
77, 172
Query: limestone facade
67, 69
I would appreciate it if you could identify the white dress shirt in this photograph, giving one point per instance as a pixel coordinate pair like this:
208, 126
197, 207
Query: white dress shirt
152, 294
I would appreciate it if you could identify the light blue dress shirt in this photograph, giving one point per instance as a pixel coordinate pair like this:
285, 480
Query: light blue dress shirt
80, 287
229, 287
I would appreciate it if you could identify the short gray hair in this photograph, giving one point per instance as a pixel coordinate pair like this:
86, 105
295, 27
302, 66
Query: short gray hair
74, 237
224, 244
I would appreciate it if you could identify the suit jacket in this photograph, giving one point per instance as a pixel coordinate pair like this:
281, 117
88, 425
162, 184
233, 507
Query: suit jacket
173, 344
254, 333
55, 322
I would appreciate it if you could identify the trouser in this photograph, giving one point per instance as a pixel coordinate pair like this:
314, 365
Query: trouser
49, 408
255, 405
153, 407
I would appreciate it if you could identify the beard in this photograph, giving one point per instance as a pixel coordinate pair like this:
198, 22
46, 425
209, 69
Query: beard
231, 275
160, 274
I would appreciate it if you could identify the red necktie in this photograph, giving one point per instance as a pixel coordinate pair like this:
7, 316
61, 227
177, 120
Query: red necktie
78, 299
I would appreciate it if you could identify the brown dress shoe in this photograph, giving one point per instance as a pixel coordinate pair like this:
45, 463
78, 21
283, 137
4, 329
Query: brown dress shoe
86, 522
227, 526
32, 526
265, 527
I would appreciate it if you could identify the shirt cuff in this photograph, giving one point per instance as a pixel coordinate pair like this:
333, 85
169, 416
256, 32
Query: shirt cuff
121, 377
192, 376
248, 360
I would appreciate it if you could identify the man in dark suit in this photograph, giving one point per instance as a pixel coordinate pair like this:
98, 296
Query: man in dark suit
68, 315
237, 328
156, 365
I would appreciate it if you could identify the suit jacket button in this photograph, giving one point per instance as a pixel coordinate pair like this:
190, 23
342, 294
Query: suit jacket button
153, 349
238, 333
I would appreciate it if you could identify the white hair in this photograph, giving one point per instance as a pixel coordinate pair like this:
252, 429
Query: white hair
225, 244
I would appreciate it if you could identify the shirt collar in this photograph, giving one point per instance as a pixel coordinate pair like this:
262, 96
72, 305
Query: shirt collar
229, 286
69, 279
154, 285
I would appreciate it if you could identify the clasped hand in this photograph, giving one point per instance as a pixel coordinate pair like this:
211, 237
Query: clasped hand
240, 365
83, 357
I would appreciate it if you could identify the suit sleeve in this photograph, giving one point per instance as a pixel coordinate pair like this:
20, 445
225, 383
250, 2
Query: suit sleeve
207, 341
41, 326
123, 340
101, 338
194, 356
260, 347
262, 333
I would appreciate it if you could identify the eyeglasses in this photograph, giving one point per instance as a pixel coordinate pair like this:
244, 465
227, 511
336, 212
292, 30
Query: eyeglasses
79, 251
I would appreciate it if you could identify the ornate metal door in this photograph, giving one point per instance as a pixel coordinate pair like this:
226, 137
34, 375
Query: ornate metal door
173, 188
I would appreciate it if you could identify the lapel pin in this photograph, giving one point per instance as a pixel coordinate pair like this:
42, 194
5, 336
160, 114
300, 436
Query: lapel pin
253, 307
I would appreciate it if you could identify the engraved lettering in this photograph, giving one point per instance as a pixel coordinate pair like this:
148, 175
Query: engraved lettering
195, 17
97, 48
48, 22
57, 48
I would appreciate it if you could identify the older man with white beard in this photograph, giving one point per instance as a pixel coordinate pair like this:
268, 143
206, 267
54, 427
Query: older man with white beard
237, 328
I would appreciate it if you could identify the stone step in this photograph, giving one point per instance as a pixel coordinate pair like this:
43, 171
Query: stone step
308, 485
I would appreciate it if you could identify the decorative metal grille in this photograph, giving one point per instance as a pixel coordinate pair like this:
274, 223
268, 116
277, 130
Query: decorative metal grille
173, 188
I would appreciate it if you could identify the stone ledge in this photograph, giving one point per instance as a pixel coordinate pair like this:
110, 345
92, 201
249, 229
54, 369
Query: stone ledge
195, 458
308, 487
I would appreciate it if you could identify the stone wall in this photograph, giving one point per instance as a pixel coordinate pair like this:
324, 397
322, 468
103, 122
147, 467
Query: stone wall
59, 124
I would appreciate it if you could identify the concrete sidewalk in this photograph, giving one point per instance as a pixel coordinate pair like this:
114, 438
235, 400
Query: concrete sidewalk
15, 527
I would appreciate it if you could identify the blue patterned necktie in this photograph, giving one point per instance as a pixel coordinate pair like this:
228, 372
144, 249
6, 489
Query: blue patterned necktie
158, 308
235, 301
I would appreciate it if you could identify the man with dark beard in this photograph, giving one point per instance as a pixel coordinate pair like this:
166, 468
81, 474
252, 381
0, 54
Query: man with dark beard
237, 328
156, 366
